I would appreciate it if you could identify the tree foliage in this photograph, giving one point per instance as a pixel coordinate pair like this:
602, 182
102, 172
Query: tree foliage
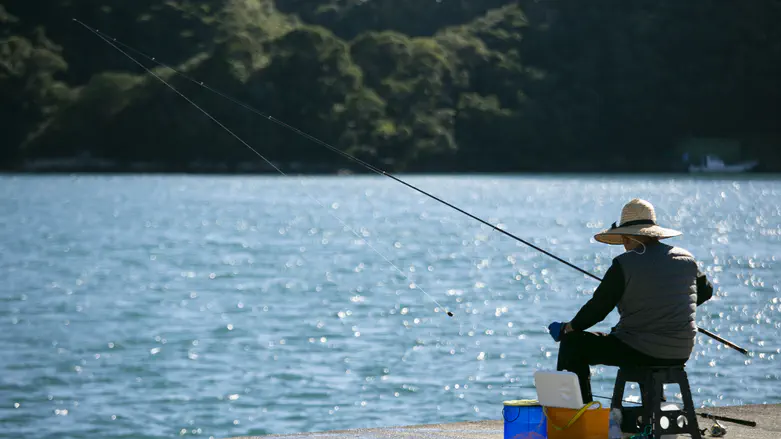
350, 18
29, 91
422, 85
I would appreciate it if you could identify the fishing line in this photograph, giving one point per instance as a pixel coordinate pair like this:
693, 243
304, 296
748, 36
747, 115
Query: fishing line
325, 144
114, 43
351, 158
234, 135
412, 283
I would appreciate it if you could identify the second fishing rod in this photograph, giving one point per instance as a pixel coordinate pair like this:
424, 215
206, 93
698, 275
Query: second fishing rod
374, 169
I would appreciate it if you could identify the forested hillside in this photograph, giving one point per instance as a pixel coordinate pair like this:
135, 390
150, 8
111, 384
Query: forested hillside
409, 85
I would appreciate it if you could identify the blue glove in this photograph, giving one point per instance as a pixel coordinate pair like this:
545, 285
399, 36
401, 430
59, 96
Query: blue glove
555, 330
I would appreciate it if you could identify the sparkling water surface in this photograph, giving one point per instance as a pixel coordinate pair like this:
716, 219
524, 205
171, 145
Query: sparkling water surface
162, 306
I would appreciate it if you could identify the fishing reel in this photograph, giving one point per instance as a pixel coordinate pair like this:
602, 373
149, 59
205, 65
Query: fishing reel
716, 430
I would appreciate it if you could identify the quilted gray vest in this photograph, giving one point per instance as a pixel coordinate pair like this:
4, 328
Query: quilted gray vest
659, 304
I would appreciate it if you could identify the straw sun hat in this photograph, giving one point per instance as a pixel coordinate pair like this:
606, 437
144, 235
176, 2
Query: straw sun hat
638, 218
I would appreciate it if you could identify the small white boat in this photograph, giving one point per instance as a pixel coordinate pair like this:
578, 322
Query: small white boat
714, 164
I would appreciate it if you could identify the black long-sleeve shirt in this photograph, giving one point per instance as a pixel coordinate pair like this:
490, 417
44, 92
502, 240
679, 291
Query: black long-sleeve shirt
609, 292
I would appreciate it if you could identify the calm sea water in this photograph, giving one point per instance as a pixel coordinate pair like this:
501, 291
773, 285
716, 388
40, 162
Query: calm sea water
151, 307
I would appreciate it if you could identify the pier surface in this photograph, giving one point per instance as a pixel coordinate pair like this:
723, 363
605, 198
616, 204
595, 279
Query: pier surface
767, 417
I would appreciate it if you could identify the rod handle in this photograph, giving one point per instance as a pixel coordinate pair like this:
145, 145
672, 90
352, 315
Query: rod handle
726, 342
726, 419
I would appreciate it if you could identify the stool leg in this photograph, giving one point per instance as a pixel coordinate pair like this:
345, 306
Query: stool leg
649, 398
688, 407
657, 384
618, 391
628, 414
618, 395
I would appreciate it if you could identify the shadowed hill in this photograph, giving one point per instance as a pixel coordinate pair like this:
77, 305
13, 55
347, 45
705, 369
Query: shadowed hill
408, 85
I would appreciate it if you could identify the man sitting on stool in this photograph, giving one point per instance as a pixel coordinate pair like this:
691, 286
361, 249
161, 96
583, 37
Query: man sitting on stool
656, 288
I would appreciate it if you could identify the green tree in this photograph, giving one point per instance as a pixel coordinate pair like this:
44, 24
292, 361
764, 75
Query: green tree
173, 31
307, 82
416, 77
413, 85
350, 18
29, 92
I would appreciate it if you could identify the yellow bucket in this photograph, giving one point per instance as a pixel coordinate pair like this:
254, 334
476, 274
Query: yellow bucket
585, 423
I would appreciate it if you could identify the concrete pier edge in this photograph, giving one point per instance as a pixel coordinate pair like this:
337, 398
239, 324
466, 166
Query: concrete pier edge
767, 417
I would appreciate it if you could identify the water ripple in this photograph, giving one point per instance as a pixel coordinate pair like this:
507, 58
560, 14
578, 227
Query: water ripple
225, 306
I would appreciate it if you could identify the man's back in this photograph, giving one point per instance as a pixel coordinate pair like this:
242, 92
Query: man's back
659, 303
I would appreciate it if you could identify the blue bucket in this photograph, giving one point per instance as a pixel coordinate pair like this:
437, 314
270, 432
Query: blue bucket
523, 419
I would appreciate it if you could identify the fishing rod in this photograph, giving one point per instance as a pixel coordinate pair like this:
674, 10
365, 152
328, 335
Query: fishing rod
115, 43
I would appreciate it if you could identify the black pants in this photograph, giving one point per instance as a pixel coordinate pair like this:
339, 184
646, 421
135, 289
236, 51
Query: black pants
579, 350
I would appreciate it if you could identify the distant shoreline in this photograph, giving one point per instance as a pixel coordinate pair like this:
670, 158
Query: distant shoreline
88, 165
346, 172
82, 165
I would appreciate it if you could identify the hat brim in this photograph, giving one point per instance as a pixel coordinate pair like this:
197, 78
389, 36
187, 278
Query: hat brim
613, 236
